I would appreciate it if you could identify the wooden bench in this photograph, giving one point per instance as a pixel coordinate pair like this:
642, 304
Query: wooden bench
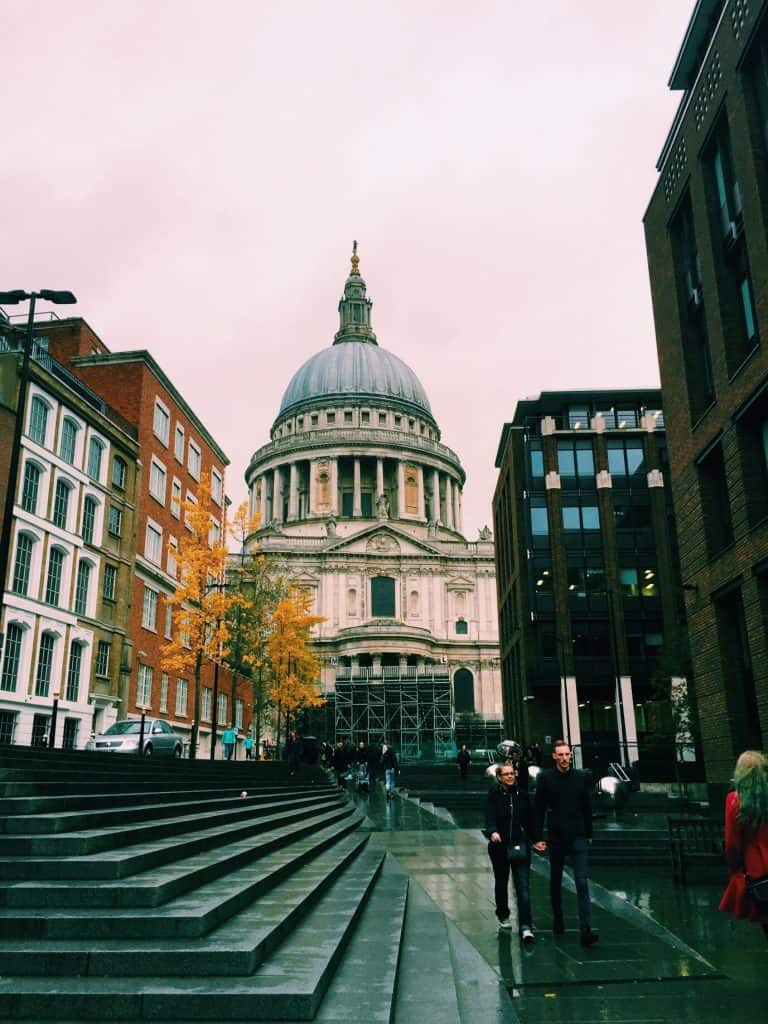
695, 841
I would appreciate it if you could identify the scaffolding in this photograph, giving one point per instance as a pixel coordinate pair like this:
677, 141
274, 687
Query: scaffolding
413, 711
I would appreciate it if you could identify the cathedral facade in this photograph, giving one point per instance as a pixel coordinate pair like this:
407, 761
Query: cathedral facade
362, 504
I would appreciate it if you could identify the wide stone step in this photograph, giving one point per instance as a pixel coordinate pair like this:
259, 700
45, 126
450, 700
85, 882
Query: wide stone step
126, 861
289, 985
154, 887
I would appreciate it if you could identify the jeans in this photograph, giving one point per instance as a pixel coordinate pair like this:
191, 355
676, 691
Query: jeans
229, 749
578, 850
521, 878
389, 779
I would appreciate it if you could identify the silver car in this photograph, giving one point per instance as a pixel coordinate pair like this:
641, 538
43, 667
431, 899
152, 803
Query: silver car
124, 737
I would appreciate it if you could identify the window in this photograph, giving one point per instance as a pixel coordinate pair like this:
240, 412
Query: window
330, 417
382, 419
38, 420
164, 693
53, 580
149, 608
194, 460
181, 696
715, 507
217, 492
238, 714
30, 488
157, 481
726, 185
68, 442
72, 691
168, 621
214, 534
742, 713
144, 686
578, 417
536, 456
539, 520
752, 438
61, 504
581, 517
223, 715
119, 467
103, 652
11, 658
161, 423
115, 526
347, 417
44, 665
89, 519
628, 581
81, 587
153, 544
461, 627
173, 551
178, 444
626, 458
382, 597
313, 419
23, 564
95, 453
176, 498
575, 462
109, 587
205, 703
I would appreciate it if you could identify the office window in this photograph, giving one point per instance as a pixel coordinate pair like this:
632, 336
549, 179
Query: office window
82, 583
89, 519
103, 652
626, 459
382, 597
217, 492
539, 520
53, 579
575, 463
44, 665
724, 177
194, 460
61, 504
109, 586
715, 506
752, 439
38, 420
578, 417
176, 498
153, 544
11, 658
74, 667
629, 583
95, 455
119, 468
157, 481
22, 564
164, 693
182, 690
115, 521
68, 442
178, 444
161, 423
30, 487
149, 609
581, 517
144, 686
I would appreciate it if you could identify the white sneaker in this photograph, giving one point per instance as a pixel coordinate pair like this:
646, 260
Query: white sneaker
506, 923
526, 936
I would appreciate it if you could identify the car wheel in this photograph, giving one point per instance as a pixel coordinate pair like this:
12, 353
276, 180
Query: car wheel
147, 750
177, 750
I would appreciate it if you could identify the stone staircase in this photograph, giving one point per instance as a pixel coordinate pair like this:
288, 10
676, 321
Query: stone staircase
133, 890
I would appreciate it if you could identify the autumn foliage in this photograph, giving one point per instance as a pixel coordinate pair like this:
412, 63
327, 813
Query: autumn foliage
295, 667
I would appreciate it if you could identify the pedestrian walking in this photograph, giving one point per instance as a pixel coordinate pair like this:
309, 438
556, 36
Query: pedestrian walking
340, 763
229, 738
374, 761
463, 760
389, 764
746, 839
294, 748
508, 821
248, 747
562, 797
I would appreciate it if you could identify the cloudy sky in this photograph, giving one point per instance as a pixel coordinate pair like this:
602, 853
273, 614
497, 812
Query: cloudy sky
196, 172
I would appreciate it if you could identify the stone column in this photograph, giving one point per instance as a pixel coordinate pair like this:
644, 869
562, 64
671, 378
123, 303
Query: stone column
460, 520
420, 486
448, 502
356, 505
293, 493
400, 490
379, 478
312, 489
456, 498
436, 496
334, 487
277, 496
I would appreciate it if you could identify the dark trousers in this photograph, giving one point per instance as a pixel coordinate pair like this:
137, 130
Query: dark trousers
521, 877
577, 850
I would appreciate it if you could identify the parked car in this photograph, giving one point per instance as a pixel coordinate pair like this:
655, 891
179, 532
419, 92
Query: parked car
124, 736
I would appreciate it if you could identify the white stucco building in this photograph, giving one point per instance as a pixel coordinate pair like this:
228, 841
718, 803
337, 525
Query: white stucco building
362, 501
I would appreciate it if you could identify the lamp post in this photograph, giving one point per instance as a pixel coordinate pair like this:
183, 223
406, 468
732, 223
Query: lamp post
12, 298
143, 708
54, 714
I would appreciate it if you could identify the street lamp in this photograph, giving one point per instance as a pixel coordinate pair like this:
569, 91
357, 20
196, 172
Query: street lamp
54, 714
12, 298
144, 708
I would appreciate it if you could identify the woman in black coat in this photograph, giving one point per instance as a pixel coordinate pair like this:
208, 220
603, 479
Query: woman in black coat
508, 823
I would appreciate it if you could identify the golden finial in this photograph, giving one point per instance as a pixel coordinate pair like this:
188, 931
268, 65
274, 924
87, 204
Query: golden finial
355, 259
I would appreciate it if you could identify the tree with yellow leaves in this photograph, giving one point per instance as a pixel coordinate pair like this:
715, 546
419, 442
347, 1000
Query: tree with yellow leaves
200, 602
295, 667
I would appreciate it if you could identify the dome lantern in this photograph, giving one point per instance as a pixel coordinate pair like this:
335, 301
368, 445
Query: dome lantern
355, 308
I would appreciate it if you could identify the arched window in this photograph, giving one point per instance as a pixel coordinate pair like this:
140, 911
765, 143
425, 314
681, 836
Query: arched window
53, 579
383, 597
352, 601
81, 587
461, 626
464, 692
44, 664
22, 564
89, 518
95, 451
38, 419
11, 657
73, 670
68, 442
61, 504
30, 487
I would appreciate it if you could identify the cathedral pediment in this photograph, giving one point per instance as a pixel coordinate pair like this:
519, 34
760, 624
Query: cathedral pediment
387, 541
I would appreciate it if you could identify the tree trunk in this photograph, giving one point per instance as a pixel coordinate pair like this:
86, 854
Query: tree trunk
196, 721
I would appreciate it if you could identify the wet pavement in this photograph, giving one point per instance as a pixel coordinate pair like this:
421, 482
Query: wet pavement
665, 952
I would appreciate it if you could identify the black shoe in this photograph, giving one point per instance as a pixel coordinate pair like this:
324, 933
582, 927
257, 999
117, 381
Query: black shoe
558, 926
588, 937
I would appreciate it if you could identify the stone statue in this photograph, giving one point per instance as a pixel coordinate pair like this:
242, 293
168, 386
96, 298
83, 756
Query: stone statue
485, 534
382, 507
330, 526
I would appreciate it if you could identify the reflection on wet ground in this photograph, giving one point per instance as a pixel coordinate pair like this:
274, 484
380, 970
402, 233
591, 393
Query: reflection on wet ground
665, 952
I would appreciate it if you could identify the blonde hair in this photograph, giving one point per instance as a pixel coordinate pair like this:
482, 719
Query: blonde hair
750, 777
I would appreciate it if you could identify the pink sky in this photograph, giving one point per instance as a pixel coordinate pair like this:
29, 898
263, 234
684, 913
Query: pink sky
196, 173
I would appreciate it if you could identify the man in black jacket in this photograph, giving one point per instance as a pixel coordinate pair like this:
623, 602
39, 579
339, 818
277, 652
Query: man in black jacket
508, 823
562, 794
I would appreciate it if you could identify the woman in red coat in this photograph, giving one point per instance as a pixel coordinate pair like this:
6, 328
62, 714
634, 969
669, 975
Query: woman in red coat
746, 835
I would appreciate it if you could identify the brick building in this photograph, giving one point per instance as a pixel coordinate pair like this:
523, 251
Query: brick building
67, 603
706, 234
588, 584
177, 452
